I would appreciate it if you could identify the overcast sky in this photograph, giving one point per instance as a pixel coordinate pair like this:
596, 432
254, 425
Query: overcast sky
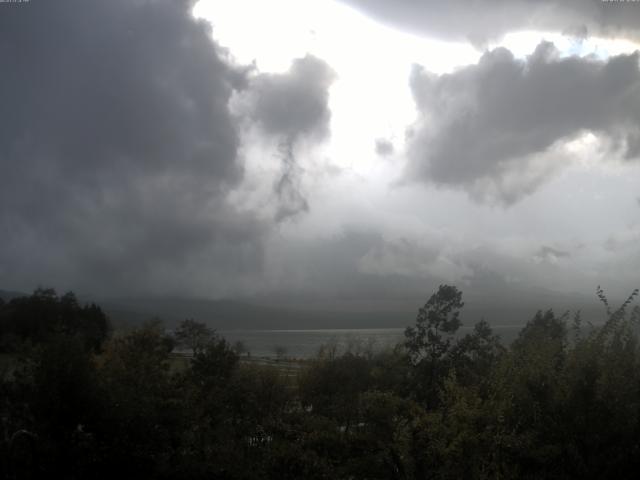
319, 150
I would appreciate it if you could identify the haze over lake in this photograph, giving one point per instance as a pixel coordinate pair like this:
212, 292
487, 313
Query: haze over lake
307, 343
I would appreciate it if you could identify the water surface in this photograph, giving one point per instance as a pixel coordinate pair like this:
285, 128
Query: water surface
307, 343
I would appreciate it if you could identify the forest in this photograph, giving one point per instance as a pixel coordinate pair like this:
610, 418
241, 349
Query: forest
79, 399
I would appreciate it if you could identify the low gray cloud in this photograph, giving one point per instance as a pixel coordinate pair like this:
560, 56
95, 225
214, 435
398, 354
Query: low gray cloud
294, 103
354, 265
486, 127
384, 147
117, 150
291, 106
484, 20
402, 257
359, 270
550, 254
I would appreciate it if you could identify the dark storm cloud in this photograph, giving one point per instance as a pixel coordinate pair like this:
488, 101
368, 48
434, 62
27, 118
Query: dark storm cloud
483, 20
117, 148
292, 202
481, 125
292, 106
295, 103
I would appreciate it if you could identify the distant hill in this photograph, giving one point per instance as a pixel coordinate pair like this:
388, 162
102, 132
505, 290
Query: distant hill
231, 314
7, 295
513, 307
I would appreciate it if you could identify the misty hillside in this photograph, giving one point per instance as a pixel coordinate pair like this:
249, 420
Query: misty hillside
7, 295
515, 308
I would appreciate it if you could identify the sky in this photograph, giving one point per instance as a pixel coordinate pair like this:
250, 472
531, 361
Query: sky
353, 153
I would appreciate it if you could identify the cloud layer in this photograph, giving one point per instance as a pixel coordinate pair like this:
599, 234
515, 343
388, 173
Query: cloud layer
484, 20
136, 157
118, 148
496, 128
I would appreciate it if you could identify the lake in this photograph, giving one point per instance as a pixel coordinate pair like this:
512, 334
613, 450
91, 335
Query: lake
307, 343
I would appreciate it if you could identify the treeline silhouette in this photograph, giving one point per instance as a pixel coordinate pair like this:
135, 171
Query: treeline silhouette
78, 401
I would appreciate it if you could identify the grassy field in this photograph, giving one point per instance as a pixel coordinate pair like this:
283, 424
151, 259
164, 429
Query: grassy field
288, 368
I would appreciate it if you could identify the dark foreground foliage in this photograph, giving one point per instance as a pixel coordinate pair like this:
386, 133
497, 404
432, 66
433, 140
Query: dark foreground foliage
562, 401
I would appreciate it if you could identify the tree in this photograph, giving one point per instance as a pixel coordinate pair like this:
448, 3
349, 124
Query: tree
214, 363
429, 342
143, 406
436, 324
45, 314
210, 445
193, 335
239, 347
332, 387
65, 402
475, 354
